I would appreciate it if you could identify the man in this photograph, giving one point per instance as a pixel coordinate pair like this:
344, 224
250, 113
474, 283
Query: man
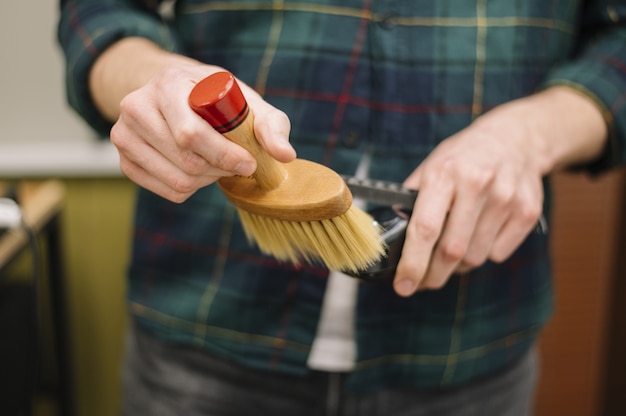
472, 103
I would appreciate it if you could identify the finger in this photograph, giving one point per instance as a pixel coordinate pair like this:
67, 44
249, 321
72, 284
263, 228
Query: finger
455, 239
482, 241
147, 181
153, 184
423, 231
514, 231
501, 199
157, 174
156, 171
196, 148
271, 128
489, 225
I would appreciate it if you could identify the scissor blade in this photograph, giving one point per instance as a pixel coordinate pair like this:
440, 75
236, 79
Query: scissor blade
381, 192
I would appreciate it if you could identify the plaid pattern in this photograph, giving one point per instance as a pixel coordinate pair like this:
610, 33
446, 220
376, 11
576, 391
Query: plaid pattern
391, 77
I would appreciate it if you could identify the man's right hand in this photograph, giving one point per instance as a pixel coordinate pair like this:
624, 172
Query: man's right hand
164, 145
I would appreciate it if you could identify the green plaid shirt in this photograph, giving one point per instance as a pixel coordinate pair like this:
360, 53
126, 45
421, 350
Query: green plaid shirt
393, 77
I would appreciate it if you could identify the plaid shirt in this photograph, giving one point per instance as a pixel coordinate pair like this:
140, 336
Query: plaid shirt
391, 77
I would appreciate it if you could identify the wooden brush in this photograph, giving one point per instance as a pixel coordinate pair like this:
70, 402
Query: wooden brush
293, 211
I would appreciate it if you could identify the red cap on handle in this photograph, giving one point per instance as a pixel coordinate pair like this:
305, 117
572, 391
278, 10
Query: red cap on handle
218, 100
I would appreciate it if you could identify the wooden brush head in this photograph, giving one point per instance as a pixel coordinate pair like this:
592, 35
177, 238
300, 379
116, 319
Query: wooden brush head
310, 192
297, 191
297, 210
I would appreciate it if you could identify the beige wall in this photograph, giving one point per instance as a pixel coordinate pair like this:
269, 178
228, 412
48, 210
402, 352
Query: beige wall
32, 103
96, 235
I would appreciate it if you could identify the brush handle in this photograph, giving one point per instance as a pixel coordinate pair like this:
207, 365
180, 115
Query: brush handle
218, 100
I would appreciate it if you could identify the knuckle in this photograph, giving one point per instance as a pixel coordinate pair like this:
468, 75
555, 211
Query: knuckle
184, 185
280, 117
503, 195
178, 197
478, 179
163, 79
426, 229
129, 106
186, 136
191, 163
448, 169
169, 72
452, 251
116, 136
222, 159
529, 213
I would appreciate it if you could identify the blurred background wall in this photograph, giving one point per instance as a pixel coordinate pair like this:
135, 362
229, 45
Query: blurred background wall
32, 99
41, 138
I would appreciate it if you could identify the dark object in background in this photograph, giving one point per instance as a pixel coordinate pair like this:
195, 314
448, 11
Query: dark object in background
18, 348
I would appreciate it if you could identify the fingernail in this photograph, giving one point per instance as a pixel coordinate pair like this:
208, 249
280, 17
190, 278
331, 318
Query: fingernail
245, 168
405, 287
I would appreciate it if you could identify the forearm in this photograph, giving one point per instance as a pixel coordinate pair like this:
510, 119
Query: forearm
565, 127
124, 67
574, 125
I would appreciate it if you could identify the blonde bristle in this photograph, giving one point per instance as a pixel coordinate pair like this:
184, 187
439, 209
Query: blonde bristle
349, 242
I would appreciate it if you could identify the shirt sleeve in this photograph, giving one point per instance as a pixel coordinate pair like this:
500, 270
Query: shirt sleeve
87, 27
598, 70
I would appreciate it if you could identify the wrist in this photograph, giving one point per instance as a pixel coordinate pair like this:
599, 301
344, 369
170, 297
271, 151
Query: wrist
126, 66
557, 128
572, 125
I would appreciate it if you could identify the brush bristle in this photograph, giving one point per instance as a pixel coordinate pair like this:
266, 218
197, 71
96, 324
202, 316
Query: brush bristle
348, 242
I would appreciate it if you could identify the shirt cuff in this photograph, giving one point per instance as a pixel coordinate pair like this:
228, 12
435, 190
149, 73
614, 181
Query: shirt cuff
85, 32
600, 74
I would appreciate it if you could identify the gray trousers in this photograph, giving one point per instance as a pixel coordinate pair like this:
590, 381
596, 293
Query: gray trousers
166, 380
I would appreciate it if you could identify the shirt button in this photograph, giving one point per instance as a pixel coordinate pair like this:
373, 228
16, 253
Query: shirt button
387, 21
351, 140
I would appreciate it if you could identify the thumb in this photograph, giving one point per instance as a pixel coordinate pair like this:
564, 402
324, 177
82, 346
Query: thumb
272, 128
